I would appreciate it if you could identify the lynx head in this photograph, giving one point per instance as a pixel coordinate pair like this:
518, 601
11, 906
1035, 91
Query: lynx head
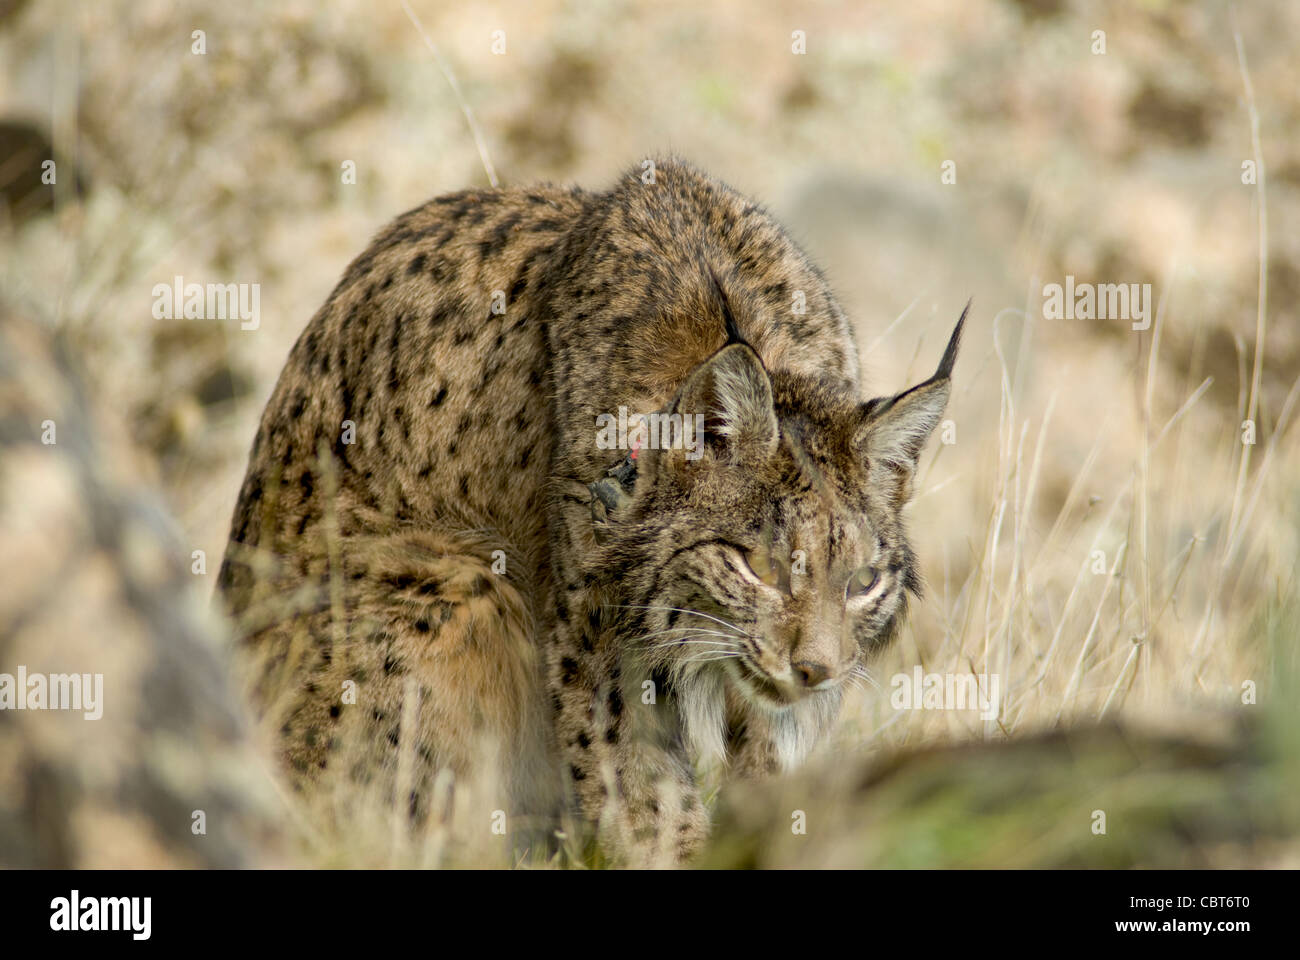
772, 559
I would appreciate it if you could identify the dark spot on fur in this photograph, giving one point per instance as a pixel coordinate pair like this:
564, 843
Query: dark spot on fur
568, 670
659, 677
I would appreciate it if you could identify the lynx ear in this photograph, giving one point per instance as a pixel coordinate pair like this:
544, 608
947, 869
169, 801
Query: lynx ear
732, 392
893, 430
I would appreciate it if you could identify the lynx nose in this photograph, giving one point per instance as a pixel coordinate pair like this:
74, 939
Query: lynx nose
810, 673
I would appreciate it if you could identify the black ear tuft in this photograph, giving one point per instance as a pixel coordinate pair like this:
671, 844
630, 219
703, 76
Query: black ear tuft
954, 343
893, 430
728, 317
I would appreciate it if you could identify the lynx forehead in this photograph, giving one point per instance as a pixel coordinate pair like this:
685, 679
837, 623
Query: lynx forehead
434, 487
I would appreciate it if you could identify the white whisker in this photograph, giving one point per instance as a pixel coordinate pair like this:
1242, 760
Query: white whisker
693, 631
710, 644
709, 656
863, 673
696, 613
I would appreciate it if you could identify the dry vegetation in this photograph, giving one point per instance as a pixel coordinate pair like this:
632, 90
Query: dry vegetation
1072, 437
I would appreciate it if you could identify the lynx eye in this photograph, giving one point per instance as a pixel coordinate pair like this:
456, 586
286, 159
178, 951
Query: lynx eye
862, 582
760, 563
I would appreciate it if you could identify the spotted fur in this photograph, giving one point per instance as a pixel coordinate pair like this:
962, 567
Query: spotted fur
712, 608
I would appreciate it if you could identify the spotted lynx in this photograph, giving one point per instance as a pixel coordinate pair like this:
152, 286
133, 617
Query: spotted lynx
479, 540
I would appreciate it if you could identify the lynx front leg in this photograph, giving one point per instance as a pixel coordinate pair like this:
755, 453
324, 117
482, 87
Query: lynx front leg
762, 743
629, 772
633, 785
751, 752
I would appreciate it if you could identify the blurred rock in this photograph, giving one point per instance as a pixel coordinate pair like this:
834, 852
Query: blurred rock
97, 584
1215, 800
24, 150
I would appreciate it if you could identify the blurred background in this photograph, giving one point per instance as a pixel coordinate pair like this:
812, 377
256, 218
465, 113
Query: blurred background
1096, 533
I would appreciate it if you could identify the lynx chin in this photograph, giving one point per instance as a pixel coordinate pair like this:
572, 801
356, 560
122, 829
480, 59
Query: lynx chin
432, 552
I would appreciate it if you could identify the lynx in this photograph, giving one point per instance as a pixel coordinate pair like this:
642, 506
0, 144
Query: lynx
436, 546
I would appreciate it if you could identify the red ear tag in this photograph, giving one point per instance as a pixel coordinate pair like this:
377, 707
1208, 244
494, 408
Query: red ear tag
636, 445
